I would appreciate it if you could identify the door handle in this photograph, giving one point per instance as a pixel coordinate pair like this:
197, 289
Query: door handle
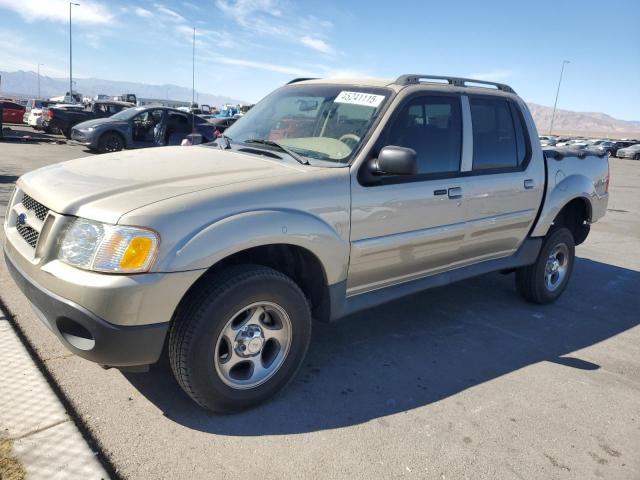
529, 183
455, 192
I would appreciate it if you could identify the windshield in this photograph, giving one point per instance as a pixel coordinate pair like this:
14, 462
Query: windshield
127, 114
323, 122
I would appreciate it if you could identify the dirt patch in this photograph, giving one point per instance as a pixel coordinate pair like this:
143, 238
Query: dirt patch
10, 467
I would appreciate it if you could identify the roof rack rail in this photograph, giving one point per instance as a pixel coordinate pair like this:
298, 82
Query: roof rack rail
301, 79
416, 78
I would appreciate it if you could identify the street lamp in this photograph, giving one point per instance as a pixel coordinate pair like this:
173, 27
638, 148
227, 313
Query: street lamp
39, 65
70, 55
564, 62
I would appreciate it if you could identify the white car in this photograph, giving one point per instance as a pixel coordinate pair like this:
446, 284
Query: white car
33, 113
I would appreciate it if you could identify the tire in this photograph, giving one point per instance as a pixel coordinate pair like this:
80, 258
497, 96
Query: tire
636, 156
67, 133
110, 142
539, 285
228, 305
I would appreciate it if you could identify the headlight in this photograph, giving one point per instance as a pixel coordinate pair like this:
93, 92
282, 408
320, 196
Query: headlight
108, 248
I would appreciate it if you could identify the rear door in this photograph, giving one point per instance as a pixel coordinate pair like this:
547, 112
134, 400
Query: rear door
505, 182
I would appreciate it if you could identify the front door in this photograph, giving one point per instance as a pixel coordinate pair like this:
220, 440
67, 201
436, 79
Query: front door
404, 228
147, 128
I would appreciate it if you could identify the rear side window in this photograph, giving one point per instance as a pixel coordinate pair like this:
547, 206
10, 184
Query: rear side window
432, 126
498, 138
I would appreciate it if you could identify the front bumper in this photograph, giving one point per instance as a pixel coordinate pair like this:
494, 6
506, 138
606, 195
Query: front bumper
86, 334
79, 138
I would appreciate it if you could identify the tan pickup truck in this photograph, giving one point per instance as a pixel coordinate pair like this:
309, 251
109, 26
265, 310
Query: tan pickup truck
328, 197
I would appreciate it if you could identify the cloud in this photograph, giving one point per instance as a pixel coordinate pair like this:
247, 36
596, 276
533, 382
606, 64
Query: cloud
192, 6
317, 44
494, 75
276, 19
89, 12
169, 13
271, 67
143, 12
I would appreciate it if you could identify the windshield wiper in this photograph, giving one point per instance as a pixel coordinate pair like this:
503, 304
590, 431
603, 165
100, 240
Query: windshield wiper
281, 147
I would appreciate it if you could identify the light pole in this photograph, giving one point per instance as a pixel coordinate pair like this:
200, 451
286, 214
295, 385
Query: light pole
193, 82
70, 55
564, 62
39, 65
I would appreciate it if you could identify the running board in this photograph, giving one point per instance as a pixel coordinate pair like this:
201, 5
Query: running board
526, 255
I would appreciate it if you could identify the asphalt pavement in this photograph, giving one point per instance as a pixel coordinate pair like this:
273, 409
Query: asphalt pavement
464, 381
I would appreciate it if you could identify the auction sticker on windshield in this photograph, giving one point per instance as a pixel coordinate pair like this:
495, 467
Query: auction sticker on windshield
360, 98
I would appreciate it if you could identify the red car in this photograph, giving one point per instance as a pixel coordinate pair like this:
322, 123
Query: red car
12, 112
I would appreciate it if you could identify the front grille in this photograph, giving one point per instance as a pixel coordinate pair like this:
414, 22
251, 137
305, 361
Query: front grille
35, 206
29, 234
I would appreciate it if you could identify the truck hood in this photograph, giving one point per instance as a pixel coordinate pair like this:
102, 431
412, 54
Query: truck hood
105, 187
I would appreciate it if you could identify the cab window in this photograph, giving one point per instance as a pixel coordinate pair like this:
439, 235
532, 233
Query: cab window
498, 139
432, 126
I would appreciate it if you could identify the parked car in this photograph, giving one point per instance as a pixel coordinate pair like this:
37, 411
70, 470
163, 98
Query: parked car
64, 119
617, 145
629, 152
12, 112
140, 127
224, 253
58, 105
548, 141
33, 113
220, 124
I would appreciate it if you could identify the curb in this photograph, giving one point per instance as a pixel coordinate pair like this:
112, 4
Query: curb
48, 437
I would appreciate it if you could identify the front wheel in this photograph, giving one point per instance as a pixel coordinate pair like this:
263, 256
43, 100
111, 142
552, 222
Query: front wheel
545, 280
110, 142
239, 338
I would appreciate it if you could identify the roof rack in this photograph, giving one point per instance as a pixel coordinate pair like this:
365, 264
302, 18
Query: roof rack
416, 78
301, 79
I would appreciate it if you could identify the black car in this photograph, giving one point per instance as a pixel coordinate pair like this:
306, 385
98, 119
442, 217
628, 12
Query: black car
141, 127
65, 118
221, 124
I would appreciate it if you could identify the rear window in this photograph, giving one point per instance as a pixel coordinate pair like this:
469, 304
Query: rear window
498, 138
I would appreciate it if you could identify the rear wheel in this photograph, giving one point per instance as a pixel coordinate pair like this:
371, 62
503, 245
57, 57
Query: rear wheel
110, 142
239, 338
545, 280
636, 156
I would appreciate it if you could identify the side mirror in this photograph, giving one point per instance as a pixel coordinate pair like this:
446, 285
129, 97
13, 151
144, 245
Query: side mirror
394, 160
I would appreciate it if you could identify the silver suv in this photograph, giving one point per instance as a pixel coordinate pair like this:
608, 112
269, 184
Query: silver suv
328, 197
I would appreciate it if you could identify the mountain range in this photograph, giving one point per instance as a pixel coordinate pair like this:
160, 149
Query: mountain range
23, 83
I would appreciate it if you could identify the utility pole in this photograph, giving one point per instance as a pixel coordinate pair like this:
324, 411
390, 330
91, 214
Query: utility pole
39, 65
553, 115
193, 82
71, 55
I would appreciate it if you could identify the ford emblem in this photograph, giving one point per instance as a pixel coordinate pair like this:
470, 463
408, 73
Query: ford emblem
22, 219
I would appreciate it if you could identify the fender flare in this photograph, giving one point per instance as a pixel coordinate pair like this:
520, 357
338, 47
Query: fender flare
238, 232
566, 190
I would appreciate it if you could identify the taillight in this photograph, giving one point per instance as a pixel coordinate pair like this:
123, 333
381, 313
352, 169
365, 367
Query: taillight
50, 114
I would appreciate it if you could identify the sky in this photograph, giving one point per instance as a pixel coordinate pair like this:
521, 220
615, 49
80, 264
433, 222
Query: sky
246, 48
